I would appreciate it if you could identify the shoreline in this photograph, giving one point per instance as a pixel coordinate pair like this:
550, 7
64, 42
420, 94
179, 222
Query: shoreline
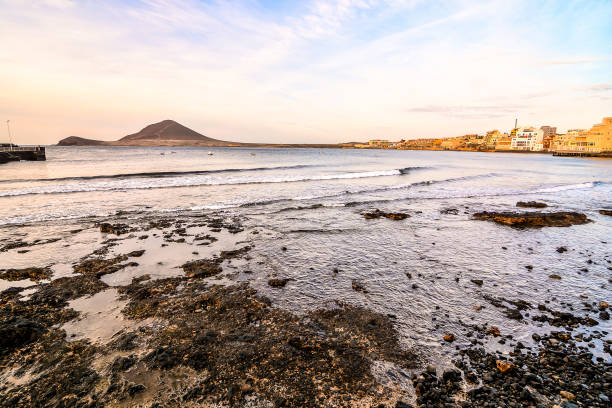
341, 146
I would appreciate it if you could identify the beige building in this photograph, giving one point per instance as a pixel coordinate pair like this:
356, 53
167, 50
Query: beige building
453, 143
493, 137
504, 142
599, 138
475, 141
567, 142
378, 143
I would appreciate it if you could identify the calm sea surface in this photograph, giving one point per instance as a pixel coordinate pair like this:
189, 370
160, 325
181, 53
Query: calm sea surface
310, 200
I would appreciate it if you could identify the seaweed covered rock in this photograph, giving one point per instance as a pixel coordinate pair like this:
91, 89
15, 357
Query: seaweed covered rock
116, 229
531, 204
390, 215
202, 268
523, 220
33, 274
320, 359
278, 282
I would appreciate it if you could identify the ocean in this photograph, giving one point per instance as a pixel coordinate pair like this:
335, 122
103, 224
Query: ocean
99, 181
307, 205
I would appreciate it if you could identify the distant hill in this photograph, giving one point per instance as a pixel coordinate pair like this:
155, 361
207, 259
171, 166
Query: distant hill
169, 130
171, 133
164, 133
80, 141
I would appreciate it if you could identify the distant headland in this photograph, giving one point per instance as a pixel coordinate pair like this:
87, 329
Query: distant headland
171, 133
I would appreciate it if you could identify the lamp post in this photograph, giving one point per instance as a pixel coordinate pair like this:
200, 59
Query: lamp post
9, 133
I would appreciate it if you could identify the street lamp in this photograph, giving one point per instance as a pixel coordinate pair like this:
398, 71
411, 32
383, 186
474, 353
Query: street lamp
9, 133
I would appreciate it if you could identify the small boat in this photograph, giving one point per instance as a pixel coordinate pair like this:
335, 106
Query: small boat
210, 153
253, 154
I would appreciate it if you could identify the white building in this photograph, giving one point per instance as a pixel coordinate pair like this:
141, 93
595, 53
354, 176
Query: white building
528, 138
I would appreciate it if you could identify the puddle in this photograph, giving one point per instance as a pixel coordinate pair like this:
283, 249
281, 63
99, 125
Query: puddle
63, 270
5, 284
163, 259
63, 247
100, 317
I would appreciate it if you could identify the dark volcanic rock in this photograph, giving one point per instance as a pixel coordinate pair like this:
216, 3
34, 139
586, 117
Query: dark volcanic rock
392, 216
358, 286
278, 283
202, 268
605, 212
20, 244
236, 253
531, 204
320, 359
533, 219
116, 229
16, 332
33, 274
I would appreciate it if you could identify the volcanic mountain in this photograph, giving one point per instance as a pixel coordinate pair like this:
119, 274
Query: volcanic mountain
171, 133
164, 133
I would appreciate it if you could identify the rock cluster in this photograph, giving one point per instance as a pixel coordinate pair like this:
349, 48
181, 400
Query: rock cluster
531, 204
533, 219
33, 274
390, 215
116, 229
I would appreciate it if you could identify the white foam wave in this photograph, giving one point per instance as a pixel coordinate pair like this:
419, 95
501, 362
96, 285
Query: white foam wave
556, 189
122, 184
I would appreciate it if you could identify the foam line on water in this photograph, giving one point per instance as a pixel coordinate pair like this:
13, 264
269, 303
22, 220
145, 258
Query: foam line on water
197, 180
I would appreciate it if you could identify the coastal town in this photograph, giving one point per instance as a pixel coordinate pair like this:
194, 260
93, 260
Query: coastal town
596, 141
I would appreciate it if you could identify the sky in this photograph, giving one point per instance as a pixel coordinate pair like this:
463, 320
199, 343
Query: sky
311, 71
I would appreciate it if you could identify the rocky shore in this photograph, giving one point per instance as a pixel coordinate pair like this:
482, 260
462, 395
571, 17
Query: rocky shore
194, 339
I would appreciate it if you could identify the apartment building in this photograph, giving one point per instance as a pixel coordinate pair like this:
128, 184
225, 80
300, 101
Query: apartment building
528, 138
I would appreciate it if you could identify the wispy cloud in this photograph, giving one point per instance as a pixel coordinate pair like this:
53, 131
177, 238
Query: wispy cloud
469, 112
573, 61
599, 87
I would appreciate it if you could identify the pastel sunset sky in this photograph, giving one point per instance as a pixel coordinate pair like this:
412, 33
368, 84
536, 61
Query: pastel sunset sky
305, 71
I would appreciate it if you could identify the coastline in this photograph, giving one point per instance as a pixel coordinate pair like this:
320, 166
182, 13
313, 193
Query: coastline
342, 146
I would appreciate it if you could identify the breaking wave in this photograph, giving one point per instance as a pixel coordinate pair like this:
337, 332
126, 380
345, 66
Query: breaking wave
158, 174
120, 184
578, 186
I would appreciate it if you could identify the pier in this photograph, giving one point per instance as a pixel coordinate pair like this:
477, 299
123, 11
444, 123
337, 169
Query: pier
10, 153
581, 154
